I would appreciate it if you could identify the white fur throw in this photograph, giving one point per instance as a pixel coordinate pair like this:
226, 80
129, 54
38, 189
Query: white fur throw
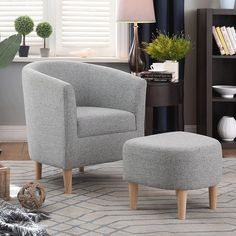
17, 221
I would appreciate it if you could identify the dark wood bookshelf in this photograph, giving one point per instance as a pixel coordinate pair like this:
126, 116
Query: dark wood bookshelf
213, 69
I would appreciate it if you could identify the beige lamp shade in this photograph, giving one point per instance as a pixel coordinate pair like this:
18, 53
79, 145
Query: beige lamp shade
135, 11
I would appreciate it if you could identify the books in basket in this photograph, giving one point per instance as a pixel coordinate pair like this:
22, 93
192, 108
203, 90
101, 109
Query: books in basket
225, 38
157, 76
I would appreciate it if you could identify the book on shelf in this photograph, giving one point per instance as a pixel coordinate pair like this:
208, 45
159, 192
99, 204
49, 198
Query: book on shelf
233, 33
218, 42
218, 30
157, 76
231, 37
227, 40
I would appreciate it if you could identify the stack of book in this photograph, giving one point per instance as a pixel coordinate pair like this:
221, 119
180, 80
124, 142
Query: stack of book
225, 38
157, 76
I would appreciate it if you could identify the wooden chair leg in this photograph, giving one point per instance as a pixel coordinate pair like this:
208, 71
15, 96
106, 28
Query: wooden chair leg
182, 202
38, 170
213, 196
81, 169
67, 176
133, 195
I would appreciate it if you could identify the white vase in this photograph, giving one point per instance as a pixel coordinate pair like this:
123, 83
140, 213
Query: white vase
227, 4
44, 52
173, 66
227, 128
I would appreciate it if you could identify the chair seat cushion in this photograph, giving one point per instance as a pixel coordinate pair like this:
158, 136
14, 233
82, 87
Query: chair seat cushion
92, 121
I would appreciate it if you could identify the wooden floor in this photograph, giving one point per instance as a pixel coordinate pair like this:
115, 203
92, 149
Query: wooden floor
19, 151
14, 151
229, 152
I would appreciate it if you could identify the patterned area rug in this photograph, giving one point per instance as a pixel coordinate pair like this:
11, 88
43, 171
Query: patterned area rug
99, 204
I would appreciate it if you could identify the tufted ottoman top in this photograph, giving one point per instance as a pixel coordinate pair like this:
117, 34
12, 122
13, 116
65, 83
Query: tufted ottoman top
175, 160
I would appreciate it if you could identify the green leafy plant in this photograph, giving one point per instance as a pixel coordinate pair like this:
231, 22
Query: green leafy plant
44, 30
24, 25
8, 49
164, 47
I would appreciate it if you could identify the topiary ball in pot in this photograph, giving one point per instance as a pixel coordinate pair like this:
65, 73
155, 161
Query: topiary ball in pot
24, 25
44, 30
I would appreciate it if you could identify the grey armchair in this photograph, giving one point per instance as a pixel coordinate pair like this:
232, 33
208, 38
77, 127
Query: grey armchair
79, 114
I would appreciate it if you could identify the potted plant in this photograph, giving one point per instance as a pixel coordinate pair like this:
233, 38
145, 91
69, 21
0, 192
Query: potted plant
44, 30
168, 49
24, 25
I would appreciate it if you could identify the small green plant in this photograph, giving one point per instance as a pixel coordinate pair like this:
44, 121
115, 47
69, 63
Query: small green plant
24, 25
164, 47
44, 30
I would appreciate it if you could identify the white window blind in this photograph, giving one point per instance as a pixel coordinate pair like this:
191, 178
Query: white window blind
77, 25
11, 9
87, 24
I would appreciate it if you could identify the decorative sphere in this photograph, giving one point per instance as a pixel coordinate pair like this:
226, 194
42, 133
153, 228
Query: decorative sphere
32, 195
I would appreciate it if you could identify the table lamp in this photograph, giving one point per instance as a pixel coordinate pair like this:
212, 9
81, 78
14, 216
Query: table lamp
135, 11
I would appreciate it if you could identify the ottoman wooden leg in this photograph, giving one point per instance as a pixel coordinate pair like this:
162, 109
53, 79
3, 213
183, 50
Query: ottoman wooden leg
38, 170
182, 202
213, 196
133, 195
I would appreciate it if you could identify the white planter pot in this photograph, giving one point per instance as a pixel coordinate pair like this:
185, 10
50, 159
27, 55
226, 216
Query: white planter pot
227, 128
227, 4
44, 52
173, 66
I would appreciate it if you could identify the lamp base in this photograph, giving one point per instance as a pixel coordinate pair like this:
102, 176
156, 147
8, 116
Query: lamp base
136, 55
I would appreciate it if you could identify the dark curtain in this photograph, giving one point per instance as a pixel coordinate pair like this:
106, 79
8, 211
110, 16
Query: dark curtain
169, 19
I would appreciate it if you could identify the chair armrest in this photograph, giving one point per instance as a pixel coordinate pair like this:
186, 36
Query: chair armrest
50, 110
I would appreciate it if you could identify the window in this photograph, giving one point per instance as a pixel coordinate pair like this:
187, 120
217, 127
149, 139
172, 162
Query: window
11, 9
77, 24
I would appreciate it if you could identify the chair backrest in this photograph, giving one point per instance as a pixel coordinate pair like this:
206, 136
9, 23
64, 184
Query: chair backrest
74, 73
95, 85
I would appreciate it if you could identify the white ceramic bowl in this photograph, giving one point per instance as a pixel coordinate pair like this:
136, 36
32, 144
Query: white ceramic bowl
226, 91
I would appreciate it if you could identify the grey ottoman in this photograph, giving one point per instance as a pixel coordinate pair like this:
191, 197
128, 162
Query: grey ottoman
178, 161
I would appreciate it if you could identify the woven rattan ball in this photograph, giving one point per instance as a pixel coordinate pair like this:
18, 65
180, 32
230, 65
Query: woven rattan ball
32, 195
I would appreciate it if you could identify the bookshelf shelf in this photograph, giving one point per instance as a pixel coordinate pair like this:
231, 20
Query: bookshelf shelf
219, 99
228, 145
223, 57
214, 69
223, 12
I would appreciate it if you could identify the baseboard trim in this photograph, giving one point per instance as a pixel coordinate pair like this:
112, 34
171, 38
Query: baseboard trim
18, 133
13, 133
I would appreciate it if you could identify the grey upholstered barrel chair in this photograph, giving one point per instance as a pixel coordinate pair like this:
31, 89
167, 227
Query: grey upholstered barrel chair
79, 114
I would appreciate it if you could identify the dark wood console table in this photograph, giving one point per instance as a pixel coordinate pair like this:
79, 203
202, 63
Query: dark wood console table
164, 95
